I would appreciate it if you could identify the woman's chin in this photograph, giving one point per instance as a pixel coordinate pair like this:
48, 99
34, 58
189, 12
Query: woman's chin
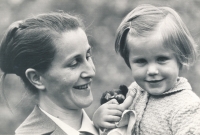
84, 102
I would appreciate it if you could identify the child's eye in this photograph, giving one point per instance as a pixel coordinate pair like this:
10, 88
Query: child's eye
162, 59
140, 61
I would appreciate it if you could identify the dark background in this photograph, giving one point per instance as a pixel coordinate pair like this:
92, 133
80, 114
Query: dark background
101, 18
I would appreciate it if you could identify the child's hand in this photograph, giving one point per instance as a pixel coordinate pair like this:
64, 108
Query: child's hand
118, 94
107, 114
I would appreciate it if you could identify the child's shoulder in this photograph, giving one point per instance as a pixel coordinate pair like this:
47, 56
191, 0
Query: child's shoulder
181, 93
187, 96
186, 106
185, 101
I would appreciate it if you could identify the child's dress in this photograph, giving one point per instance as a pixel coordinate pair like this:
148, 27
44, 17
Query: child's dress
175, 112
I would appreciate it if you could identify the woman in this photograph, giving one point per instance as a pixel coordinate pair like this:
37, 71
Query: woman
51, 54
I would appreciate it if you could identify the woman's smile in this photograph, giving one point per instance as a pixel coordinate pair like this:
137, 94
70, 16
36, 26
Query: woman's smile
82, 87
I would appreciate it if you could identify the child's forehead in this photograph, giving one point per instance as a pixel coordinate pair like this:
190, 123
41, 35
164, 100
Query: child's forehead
148, 47
153, 41
153, 36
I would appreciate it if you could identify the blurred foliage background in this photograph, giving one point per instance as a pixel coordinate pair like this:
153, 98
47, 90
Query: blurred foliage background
101, 18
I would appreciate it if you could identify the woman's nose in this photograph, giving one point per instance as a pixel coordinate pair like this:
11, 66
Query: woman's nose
89, 70
152, 70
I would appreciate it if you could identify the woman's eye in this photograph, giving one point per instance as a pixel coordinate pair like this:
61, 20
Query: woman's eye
88, 55
73, 63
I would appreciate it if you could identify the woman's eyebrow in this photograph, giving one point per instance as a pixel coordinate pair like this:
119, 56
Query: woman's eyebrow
89, 49
78, 55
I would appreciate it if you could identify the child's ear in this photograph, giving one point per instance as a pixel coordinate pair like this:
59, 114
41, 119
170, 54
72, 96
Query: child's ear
34, 77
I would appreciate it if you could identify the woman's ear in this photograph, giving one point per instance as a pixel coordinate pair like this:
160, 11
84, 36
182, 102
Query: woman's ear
34, 77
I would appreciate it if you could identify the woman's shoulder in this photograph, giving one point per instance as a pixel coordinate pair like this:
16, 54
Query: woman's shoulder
36, 123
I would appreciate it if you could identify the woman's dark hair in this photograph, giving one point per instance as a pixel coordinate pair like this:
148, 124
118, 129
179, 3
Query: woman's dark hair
30, 43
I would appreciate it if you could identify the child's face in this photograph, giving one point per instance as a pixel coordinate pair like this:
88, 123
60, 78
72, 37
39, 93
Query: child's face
154, 67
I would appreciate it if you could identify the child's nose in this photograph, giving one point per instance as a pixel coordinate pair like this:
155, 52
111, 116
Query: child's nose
152, 70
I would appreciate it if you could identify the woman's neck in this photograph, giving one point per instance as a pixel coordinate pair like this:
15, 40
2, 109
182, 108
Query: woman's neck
71, 117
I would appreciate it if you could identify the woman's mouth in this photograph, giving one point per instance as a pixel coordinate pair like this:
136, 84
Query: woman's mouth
85, 86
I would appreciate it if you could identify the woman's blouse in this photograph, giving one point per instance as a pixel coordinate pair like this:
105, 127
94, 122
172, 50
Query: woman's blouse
87, 125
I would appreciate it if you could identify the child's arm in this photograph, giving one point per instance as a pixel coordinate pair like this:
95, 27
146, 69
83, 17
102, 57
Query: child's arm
107, 114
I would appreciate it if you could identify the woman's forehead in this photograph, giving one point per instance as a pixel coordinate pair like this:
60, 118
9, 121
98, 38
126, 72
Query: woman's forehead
71, 43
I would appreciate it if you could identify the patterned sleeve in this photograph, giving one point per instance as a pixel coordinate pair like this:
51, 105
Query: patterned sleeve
186, 121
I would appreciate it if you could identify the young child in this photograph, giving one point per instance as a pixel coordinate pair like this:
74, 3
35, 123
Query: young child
156, 45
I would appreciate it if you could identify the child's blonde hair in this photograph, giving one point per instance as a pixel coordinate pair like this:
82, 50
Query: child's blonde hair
145, 19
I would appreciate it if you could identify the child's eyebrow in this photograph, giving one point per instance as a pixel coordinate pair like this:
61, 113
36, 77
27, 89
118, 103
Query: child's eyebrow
138, 57
165, 54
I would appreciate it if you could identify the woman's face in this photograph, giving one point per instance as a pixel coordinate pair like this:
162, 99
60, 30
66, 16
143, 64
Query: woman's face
68, 80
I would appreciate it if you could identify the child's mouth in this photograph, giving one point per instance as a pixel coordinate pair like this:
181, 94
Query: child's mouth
154, 81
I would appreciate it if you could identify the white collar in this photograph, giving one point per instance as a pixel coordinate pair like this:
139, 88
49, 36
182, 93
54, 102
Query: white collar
86, 126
